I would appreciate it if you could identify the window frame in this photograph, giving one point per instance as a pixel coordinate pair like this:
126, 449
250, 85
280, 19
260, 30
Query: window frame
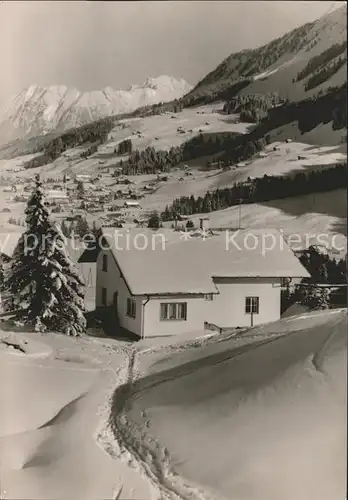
252, 305
173, 311
131, 308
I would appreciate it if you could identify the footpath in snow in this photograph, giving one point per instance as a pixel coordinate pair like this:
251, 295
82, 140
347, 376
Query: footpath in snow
54, 440
97, 418
269, 405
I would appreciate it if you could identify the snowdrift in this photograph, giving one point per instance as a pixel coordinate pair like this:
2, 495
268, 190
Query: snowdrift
53, 442
265, 422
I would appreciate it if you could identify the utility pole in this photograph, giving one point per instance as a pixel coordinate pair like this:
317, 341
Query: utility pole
240, 213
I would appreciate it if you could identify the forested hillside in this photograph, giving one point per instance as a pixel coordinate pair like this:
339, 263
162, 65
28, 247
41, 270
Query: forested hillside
275, 66
259, 190
299, 77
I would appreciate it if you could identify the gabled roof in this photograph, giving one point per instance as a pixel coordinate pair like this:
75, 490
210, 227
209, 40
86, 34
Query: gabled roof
167, 262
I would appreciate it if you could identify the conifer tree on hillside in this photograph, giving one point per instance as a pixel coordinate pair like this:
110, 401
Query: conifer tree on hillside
65, 229
47, 288
154, 221
2, 276
316, 298
95, 230
80, 190
82, 228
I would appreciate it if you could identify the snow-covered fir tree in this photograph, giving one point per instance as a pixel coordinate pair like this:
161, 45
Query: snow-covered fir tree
316, 297
2, 282
47, 288
2, 276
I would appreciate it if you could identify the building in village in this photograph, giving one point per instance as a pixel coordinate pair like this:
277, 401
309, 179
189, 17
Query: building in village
8, 188
158, 283
131, 204
83, 178
57, 196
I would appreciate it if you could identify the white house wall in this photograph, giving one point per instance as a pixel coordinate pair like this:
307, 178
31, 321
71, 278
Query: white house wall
113, 282
88, 271
153, 326
228, 307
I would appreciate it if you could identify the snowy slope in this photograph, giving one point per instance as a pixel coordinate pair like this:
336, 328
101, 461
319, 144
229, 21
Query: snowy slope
274, 66
38, 110
58, 447
263, 420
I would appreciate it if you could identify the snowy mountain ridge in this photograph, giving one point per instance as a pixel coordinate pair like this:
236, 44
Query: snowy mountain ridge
274, 67
38, 110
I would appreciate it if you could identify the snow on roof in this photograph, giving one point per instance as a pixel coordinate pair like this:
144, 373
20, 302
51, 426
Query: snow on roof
132, 203
56, 194
167, 261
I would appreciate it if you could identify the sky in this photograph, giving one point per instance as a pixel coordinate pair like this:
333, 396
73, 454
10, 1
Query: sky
93, 44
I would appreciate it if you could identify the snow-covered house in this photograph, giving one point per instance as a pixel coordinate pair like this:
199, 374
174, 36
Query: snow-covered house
131, 204
164, 283
82, 177
8, 189
57, 196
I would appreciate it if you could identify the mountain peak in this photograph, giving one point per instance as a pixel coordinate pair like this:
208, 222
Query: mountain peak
162, 80
38, 109
30, 91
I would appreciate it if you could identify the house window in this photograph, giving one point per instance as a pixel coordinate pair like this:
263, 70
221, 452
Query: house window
105, 262
173, 311
104, 296
252, 305
208, 296
131, 308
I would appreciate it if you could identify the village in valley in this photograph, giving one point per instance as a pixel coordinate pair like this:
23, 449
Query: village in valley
86, 194
173, 279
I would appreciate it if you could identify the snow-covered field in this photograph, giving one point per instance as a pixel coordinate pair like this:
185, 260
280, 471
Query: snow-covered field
320, 213
261, 416
54, 410
158, 131
280, 162
270, 72
318, 219
256, 415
